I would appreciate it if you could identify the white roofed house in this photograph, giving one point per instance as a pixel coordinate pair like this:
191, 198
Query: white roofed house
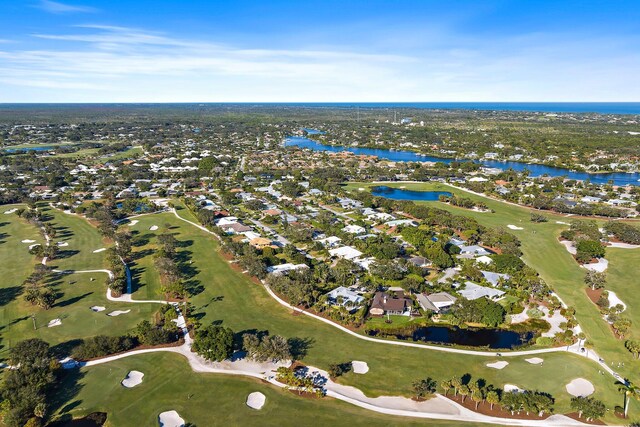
346, 252
285, 268
380, 216
354, 229
473, 251
331, 241
473, 291
345, 297
436, 302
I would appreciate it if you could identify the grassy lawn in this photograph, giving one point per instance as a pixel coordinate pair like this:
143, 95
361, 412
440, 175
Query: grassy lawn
225, 295
231, 298
204, 399
555, 265
76, 292
622, 278
82, 239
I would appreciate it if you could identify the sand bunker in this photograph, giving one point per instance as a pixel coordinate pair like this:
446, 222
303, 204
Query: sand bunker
133, 222
256, 400
97, 308
132, 379
34, 245
10, 211
535, 360
54, 322
118, 313
562, 222
99, 250
359, 367
510, 387
513, 227
615, 300
580, 387
599, 266
170, 419
498, 365
28, 241
153, 228
63, 244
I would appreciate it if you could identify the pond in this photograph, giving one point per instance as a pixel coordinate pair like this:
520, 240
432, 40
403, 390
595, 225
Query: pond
492, 338
38, 148
403, 194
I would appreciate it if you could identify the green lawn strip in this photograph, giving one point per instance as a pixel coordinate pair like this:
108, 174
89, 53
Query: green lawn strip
205, 399
622, 278
82, 239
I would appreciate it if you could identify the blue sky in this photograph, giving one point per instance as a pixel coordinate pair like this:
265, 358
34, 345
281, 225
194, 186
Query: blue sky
318, 51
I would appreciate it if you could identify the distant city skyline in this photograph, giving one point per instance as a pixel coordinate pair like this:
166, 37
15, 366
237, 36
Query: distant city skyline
319, 51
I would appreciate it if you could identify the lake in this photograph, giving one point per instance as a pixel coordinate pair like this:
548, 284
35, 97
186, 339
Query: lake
402, 194
492, 338
39, 148
618, 178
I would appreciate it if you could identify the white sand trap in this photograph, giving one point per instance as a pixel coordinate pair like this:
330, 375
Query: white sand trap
599, 266
118, 313
562, 222
513, 227
256, 400
10, 211
132, 379
170, 419
153, 228
580, 387
498, 365
615, 300
360, 188
97, 308
510, 387
34, 245
568, 244
133, 222
535, 360
63, 244
359, 367
54, 322
99, 250
28, 241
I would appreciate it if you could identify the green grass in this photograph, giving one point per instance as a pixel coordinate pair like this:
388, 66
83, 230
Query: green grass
76, 292
622, 278
231, 298
82, 239
204, 399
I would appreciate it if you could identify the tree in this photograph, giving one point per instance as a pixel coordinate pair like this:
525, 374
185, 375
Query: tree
266, 348
492, 398
445, 385
424, 387
589, 407
595, 279
464, 391
633, 346
477, 396
456, 383
629, 390
338, 369
214, 343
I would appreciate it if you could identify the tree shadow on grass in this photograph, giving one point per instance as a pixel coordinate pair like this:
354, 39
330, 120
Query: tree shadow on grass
141, 254
66, 390
73, 300
66, 348
67, 253
299, 347
9, 294
136, 274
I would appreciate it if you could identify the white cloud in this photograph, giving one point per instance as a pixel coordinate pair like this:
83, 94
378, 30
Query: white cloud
57, 7
109, 63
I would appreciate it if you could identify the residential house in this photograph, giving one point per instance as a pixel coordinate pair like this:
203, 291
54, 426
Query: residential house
394, 304
437, 302
346, 252
473, 291
345, 297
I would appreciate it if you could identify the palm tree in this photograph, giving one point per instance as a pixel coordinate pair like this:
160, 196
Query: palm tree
464, 391
456, 383
492, 398
629, 390
446, 386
